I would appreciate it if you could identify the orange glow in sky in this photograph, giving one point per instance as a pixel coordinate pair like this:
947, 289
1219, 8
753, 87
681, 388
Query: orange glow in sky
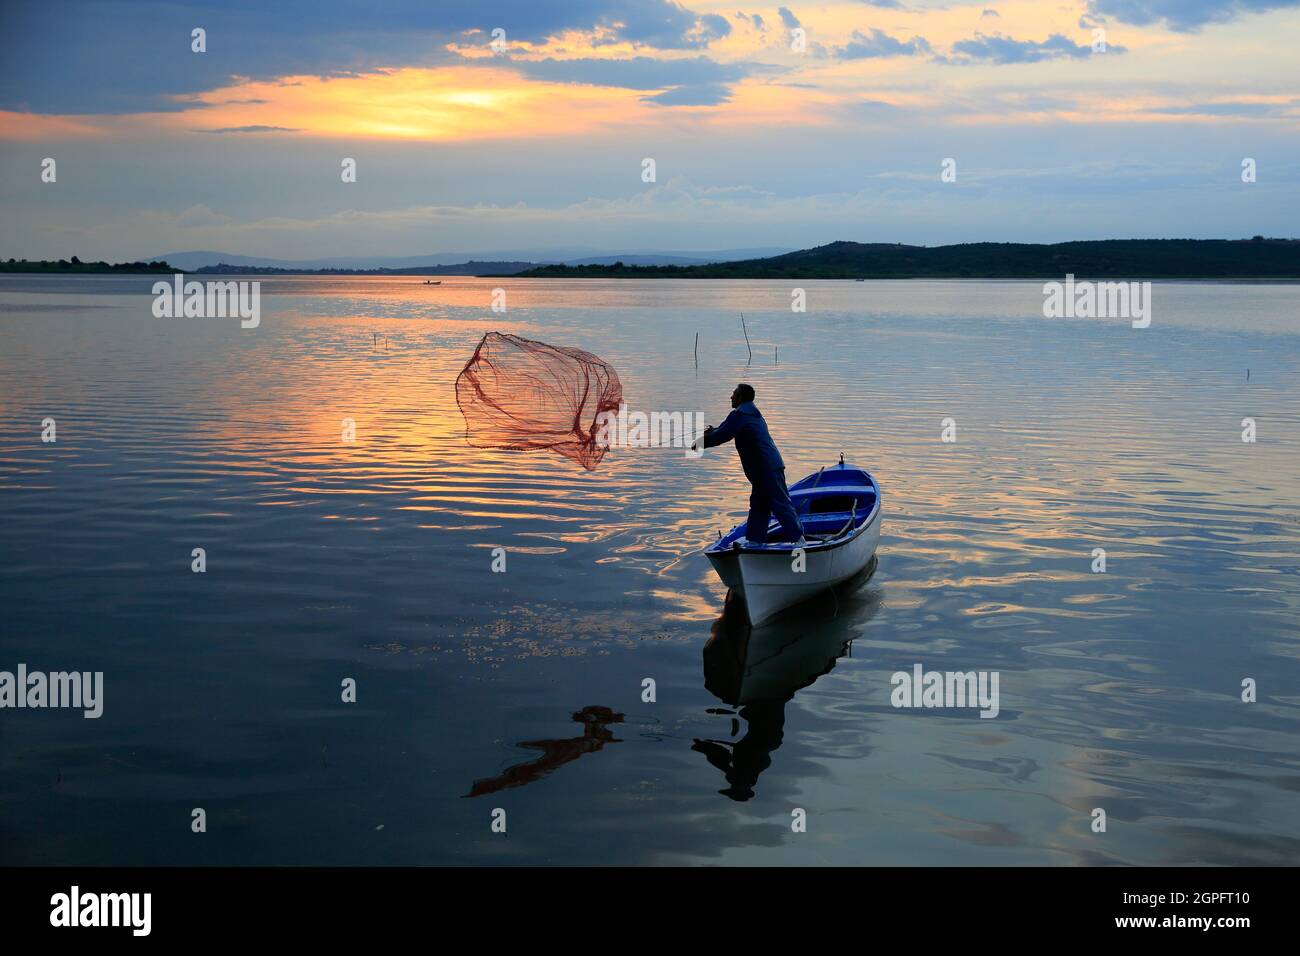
431, 104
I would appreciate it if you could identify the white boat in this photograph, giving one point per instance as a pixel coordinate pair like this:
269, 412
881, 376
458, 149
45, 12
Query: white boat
839, 508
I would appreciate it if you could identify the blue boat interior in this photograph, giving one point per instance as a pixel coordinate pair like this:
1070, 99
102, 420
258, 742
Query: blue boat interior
830, 503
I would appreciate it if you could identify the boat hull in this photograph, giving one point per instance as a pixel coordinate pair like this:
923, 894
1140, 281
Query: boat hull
770, 584
773, 578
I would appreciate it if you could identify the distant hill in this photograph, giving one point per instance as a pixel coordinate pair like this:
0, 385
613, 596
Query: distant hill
670, 259
1257, 258
195, 260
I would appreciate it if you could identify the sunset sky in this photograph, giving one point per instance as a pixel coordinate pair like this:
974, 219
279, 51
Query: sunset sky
538, 145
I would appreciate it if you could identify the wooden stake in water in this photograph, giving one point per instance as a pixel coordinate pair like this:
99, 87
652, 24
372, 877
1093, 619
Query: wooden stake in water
697, 349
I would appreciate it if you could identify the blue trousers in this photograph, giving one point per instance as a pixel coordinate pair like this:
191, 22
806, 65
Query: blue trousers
768, 497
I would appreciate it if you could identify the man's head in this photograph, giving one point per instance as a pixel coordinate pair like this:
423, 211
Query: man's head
743, 393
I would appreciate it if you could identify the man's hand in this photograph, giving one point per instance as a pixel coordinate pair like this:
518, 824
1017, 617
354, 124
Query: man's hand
707, 429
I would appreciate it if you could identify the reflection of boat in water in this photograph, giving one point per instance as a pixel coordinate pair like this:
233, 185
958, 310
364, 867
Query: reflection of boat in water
759, 670
555, 753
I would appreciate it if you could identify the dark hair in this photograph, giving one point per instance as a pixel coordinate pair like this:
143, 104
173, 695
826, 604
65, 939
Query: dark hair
746, 392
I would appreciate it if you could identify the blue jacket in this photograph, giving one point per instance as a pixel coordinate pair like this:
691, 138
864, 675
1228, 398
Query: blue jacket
758, 454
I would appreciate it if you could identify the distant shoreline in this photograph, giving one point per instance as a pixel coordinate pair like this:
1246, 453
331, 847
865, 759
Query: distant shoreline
1153, 260
1218, 280
75, 266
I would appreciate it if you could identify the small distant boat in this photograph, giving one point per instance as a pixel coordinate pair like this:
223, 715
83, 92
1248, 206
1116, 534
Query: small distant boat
428, 282
839, 508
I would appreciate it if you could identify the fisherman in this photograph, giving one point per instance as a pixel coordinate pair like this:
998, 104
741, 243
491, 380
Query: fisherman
762, 465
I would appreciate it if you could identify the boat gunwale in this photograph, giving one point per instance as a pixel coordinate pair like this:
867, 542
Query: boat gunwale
778, 551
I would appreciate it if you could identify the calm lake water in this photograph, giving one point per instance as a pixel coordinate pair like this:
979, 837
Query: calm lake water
523, 690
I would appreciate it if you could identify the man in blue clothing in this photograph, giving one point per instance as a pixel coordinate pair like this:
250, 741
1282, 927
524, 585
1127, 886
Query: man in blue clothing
762, 465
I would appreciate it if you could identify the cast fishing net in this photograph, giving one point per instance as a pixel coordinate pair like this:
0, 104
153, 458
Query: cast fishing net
519, 394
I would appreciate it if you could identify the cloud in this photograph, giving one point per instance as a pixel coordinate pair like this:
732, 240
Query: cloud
990, 13
868, 111
872, 106
658, 23
249, 129
712, 27
1000, 49
1241, 110
635, 73
1182, 15
697, 81
707, 94
196, 217
880, 44
788, 17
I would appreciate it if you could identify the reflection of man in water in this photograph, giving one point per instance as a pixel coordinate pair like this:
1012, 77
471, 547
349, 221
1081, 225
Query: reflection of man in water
762, 465
742, 762
555, 753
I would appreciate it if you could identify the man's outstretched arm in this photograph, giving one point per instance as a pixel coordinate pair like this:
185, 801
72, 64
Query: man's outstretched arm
724, 432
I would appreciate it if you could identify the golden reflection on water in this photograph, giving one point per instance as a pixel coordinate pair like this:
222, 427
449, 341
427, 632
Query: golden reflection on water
1032, 476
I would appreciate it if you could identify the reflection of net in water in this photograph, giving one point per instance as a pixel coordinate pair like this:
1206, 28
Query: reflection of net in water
520, 394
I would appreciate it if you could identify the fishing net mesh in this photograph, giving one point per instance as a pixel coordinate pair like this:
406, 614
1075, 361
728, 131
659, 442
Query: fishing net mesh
519, 394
